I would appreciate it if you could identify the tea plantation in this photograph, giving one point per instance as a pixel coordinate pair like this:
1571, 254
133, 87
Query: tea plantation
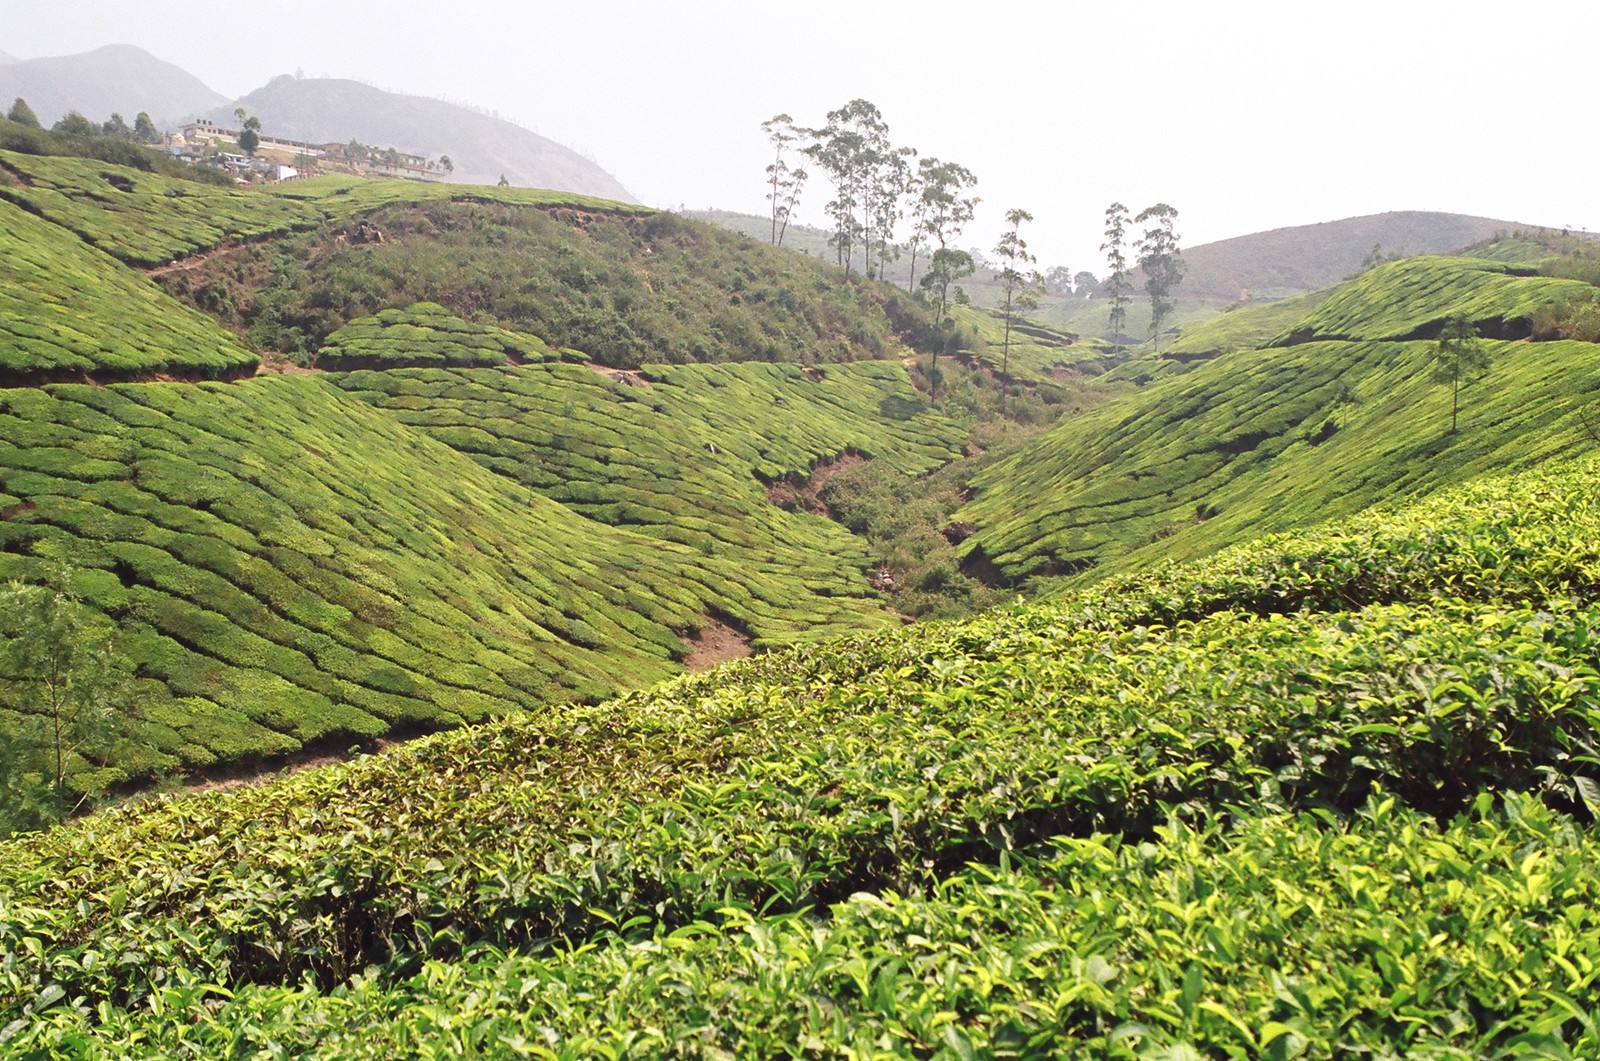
1259, 440
1312, 797
68, 309
1318, 793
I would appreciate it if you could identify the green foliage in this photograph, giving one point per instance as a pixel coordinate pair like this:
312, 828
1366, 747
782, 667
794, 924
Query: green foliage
61, 670
426, 334
22, 114
1413, 297
848, 836
67, 308
1268, 937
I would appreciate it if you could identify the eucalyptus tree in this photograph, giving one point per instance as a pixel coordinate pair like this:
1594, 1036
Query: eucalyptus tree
1160, 261
939, 208
887, 185
854, 152
1018, 281
1458, 351
786, 181
1116, 284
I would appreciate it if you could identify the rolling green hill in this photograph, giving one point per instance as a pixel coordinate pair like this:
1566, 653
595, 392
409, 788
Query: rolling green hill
1260, 440
69, 310
291, 566
1001, 835
1324, 793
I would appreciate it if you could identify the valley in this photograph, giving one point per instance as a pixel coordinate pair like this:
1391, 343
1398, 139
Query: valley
676, 672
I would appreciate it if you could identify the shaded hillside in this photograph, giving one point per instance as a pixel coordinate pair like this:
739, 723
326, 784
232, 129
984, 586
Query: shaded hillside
1303, 258
117, 78
625, 285
333, 110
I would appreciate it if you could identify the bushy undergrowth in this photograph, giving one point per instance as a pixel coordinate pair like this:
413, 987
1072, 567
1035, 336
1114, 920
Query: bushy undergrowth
747, 798
627, 288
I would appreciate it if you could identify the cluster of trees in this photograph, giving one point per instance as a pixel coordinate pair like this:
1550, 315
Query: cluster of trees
876, 186
143, 130
1157, 256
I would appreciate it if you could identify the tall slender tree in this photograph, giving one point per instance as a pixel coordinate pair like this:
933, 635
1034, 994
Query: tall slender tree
784, 180
946, 267
1116, 285
939, 209
1160, 261
1458, 351
1018, 281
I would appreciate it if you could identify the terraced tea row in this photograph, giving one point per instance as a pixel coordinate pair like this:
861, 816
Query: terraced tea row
66, 308
802, 776
1412, 298
1271, 936
292, 567
1263, 441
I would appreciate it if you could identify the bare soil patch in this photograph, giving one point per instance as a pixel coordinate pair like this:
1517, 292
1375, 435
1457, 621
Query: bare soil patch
715, 642
794, 494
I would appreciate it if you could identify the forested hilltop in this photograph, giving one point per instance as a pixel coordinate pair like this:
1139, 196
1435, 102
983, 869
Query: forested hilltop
306, 473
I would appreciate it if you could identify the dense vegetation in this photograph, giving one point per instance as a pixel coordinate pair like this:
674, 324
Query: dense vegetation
993, 837
292, 567
1254, 440
626, 287
67, 310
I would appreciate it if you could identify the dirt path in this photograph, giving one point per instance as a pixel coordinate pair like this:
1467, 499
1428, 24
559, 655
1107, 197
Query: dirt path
189, 261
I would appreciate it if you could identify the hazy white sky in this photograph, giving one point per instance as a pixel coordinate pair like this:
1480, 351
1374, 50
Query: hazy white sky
1244, 116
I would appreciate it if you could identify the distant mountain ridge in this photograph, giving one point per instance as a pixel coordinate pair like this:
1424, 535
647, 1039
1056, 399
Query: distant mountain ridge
482, 148
118, 78
126, 79
1285, 261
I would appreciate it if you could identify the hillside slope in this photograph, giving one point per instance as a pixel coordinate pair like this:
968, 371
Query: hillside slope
1302, 258
117, 78
1317, 791
1258, 440
483, 148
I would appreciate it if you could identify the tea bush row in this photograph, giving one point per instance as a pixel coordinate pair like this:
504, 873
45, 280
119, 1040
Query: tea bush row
65, 307
797, 778
1264, 936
